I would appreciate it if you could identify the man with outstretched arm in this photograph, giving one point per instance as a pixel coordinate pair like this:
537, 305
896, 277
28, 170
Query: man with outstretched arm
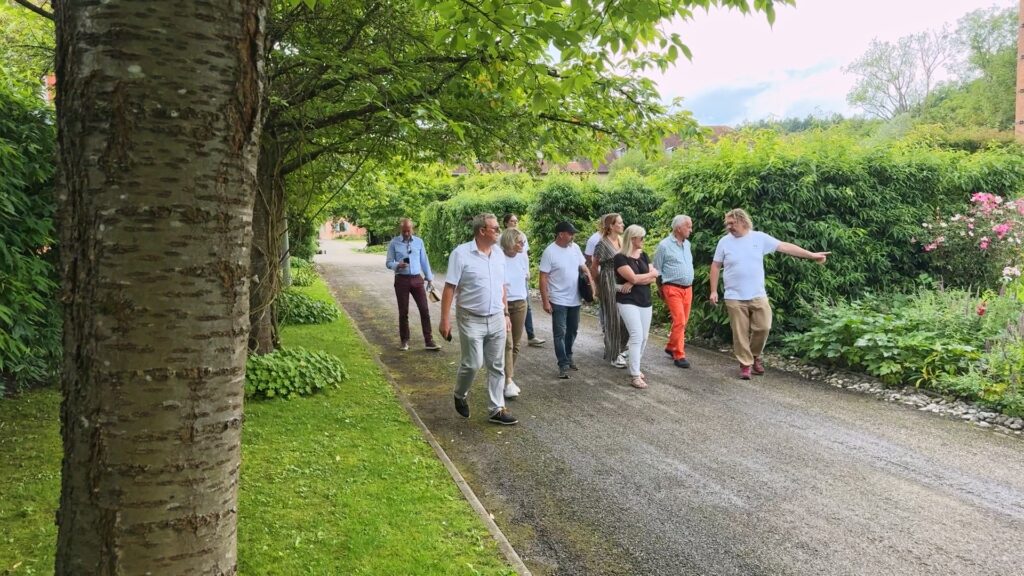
741, 254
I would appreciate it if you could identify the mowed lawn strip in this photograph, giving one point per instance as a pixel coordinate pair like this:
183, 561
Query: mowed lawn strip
336, 483
343, 483
30, 454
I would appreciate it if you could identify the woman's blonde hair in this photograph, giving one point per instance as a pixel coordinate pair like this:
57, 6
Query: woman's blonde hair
632, 231
607, 221
509, 238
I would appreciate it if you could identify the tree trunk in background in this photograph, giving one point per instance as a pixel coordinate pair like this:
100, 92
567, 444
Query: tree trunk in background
268, 220
157, 109
1018, 129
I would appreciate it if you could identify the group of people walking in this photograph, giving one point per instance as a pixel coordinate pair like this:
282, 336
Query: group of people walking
489, 287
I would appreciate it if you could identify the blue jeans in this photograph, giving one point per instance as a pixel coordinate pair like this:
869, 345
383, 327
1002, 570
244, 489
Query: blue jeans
565, 322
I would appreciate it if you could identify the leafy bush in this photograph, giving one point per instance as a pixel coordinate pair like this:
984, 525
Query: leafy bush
297, 308
825, 192
303, 273
291, 372
637, 201
562, 197
446, 224
30, 319
899, 339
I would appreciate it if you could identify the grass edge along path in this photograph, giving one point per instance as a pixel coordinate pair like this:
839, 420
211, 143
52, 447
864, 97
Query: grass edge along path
340, 482
344, 483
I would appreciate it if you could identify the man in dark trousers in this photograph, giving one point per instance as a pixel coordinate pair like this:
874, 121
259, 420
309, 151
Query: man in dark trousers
407, 256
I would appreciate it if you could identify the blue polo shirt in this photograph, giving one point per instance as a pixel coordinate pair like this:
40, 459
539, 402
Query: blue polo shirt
675, 261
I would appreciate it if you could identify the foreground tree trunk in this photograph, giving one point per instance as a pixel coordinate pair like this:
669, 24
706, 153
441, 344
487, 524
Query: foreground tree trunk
158, 124
1018, 129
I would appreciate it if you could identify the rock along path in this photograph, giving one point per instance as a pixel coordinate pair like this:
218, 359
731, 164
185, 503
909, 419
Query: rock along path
703, 473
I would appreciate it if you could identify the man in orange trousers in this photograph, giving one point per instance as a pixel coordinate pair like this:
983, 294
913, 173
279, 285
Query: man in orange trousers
675, 286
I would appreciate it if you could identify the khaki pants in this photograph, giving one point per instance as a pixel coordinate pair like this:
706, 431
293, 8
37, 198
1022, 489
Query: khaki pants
751, 321
517, 314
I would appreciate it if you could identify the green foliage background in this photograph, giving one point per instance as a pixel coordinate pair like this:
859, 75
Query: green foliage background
29, 317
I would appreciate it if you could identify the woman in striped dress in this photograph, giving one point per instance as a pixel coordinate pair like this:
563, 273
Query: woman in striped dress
602, 268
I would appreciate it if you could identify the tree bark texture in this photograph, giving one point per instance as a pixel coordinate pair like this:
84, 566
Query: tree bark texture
158, 107
268, 223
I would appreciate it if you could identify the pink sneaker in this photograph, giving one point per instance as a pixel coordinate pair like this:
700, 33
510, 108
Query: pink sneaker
758, 367
744, 372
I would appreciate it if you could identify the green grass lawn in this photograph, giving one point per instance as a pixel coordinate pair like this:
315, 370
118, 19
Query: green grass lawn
335, 483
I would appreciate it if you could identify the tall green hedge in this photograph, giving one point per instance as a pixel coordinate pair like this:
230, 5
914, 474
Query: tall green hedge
562, 197
448, 223
29, 315
824, 192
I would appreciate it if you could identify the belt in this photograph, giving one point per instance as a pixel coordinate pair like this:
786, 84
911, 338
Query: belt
677, 285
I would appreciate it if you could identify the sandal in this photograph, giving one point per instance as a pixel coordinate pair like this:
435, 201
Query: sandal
638, 382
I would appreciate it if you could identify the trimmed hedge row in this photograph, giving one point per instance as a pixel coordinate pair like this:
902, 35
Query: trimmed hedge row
826, 193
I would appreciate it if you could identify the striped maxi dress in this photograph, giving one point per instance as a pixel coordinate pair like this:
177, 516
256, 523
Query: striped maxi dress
615, 335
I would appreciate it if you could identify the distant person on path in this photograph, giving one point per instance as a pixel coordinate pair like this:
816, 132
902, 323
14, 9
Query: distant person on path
517, 274
741, 252
602, 267
561, 266
634, 276
476, 281
674, 260
407, 256
512, 221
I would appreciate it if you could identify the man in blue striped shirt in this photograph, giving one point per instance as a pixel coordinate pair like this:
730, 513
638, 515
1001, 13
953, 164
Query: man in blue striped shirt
675, 286
407, 256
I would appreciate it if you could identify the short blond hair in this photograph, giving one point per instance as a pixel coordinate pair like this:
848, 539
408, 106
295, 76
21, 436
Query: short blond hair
509, 238
632, 231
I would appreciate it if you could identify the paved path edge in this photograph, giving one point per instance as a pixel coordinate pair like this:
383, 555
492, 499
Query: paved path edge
503, 544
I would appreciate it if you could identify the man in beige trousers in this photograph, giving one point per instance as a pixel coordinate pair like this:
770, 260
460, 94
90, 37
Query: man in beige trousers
741, 252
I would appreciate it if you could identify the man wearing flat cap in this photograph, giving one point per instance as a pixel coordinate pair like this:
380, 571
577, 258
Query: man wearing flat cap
561, 265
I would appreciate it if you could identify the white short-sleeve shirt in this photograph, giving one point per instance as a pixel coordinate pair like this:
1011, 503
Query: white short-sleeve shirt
517, 270
478, 278
562, 266
592, 242
742, 261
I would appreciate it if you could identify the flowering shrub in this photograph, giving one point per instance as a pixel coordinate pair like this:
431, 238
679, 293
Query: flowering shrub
979, 248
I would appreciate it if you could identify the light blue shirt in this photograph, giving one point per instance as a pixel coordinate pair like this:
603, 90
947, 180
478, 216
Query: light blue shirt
415, 251
675, 261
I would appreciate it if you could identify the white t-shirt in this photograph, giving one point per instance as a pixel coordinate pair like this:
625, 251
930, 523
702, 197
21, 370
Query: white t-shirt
479, 279
517, 270
592, 243
742, 261
562, 266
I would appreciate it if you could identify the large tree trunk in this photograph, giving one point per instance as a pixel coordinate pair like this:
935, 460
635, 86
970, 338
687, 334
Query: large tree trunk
268, 221
158, 125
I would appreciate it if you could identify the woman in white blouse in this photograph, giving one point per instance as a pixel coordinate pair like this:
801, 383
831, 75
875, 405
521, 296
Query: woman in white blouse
517, 271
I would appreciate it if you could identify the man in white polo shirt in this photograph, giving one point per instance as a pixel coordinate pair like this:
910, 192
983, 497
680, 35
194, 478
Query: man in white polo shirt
561, 265
476, 281
741, 252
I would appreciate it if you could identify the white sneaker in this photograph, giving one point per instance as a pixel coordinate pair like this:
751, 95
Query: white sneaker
620, 361
511, 390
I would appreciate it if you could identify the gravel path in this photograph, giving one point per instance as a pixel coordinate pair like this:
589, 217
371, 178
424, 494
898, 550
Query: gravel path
703, 473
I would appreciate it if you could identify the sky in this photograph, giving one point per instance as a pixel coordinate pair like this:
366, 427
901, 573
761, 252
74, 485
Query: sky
743, 69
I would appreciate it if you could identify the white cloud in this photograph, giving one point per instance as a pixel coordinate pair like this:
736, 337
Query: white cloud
800, 57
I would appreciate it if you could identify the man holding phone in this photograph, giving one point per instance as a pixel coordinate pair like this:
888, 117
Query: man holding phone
407, 256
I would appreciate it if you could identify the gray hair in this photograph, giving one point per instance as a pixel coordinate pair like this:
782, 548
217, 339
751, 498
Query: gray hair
632, 231
480, 221
509, 238
679, 220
